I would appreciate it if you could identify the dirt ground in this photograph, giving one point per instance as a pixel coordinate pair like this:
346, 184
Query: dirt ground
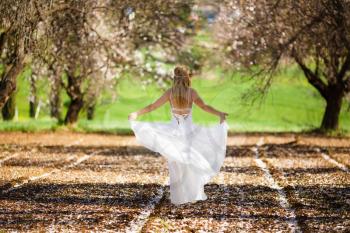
71, 182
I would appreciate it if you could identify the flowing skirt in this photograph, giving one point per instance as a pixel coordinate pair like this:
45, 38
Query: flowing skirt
194, 153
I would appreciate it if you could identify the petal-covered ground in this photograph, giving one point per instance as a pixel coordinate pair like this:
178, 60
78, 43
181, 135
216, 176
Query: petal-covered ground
67, 182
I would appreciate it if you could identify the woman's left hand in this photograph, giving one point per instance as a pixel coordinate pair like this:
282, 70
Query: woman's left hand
223, 116
132, 116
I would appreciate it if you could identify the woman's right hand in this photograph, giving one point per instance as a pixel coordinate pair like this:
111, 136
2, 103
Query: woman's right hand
132, 116
223, 116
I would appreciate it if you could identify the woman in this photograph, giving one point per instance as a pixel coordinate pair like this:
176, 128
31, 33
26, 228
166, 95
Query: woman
194, 153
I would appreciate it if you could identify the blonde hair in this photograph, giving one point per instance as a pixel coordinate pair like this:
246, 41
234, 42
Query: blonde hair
181, 86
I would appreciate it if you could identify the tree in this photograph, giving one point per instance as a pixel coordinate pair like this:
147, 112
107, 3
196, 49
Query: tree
18, 22
72, 48
74, 39
313, 33
84, 38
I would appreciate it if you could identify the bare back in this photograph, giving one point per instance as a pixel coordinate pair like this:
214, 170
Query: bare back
180, 110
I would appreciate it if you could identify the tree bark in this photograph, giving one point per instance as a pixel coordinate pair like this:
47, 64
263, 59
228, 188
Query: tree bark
334, 100
91, 112
33, 100
8, 82
32, 108
77, 99
55, 98
8, 111
73, 111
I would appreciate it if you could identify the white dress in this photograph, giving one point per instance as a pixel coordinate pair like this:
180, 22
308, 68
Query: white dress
194, 153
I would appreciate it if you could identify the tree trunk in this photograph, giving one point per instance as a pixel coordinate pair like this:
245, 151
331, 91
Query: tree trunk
73, 111
331, 115
9, 109
32, 108
91, 112
77, 98
8, 82
55, 98
33, 100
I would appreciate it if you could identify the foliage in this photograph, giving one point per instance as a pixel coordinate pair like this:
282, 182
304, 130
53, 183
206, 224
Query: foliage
18, 23
89, 41
315, 34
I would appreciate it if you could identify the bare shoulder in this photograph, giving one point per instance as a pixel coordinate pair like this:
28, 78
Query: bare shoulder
194, 93
167, 92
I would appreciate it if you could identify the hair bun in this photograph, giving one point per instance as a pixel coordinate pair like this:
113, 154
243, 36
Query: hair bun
181, 72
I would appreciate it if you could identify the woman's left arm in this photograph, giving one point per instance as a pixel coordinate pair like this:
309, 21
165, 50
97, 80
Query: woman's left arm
156, 104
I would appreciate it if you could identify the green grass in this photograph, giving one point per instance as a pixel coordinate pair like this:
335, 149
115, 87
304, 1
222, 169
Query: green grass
29, 125
291, 105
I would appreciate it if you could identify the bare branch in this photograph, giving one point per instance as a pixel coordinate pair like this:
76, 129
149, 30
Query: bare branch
344, 68
313, 79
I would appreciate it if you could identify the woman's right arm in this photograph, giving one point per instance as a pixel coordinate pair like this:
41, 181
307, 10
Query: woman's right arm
159, 102
200, 103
